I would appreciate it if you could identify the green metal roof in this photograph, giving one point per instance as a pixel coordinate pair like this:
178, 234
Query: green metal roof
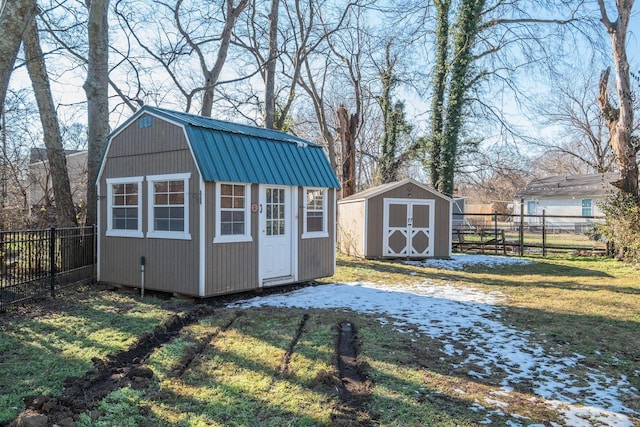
232, 152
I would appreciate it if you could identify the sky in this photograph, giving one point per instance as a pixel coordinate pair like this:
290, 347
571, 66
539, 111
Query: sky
474, 331
67, 88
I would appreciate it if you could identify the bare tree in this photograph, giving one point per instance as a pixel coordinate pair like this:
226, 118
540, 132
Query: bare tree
96, 87
620, 120
347, 131
200, 32
270, 68
13, 21
66, 213
582, 132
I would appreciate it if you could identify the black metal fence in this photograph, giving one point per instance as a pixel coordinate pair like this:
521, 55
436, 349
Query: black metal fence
521, 234
35, 263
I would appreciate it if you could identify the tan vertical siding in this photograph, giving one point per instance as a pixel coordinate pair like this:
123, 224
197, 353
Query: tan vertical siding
375, 211
351, 228
171, 264
230, 267
442, 229
316, 256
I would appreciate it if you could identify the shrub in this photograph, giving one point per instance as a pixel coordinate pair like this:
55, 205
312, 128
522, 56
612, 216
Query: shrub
622, 226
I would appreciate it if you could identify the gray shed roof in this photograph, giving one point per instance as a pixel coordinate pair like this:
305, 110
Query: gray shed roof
233, 152
383, 188
589, 185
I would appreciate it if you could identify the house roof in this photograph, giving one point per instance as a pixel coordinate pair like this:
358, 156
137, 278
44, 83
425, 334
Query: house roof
233, 152
39, 154
589, 185
383, 188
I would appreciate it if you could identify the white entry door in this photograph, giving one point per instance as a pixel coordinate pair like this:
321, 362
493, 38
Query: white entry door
408, 228
276, 244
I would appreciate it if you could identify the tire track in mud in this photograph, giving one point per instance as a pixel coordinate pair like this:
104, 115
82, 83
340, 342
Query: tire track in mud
284, 365
189, 360
354, 387
81, 394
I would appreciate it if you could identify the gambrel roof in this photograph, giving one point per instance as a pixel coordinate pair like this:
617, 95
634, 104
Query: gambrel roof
590, 185
233, 152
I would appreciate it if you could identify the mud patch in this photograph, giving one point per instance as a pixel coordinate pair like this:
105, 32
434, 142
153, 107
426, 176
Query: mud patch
355, 387
125, 369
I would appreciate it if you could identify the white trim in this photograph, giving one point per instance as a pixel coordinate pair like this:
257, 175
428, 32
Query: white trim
335, 223
202, 221
365, 226
450, 229
292, 211
233, 238
99, 231
315, 234
110, 231
151, 232
408, 229
295, 212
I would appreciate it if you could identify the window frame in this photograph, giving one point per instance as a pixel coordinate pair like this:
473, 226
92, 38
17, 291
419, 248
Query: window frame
325, 213
233, 238
590, 207
163, 234
118, 232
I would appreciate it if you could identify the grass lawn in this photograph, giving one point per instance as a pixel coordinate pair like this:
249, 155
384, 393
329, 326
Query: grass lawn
278, 365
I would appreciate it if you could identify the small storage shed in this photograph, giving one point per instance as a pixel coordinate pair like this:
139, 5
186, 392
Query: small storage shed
403, 219
206, 207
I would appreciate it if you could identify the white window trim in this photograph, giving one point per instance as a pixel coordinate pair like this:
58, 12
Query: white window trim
180, 235
325, 231
234, 238
118, 232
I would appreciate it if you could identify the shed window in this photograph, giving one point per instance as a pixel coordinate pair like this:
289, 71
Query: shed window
169, 206
315, 213
232, 213
586, 207
124, 208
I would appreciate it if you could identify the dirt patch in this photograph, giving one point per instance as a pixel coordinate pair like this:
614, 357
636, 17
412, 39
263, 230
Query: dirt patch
127, 368
355, 386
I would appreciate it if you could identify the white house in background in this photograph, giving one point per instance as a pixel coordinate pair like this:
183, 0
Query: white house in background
40, 187
572, 195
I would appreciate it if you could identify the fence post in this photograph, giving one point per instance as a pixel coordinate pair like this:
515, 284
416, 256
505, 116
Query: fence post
521, 226
544, 234
495, 231
52, 260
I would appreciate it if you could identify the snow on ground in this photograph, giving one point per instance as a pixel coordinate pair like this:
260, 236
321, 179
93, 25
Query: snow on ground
466, 321
461, 261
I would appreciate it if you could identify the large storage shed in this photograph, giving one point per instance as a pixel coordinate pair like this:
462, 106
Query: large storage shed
404, 219
206, 207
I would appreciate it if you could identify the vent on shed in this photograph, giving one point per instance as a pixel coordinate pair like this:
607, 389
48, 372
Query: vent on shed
145, 121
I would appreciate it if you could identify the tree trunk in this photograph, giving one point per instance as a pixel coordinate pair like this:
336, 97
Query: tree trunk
270, 68
348, 130
439, 86
620, 120
97, 89
466, 33
14, 16
66, 213
212, 76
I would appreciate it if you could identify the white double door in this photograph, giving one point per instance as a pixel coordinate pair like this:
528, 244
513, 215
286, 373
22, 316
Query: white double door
276, 235
408, 227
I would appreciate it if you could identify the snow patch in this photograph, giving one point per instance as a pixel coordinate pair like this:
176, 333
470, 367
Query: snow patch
461, 261
464, 320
